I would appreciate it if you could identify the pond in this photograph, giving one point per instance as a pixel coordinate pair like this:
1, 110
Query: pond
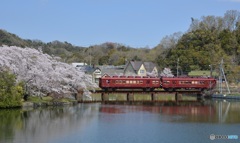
98, 123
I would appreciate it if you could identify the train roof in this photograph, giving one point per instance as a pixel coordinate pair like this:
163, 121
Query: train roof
129, 77
188, 78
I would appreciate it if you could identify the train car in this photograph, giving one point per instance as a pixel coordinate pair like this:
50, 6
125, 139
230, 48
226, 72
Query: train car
198, 83
129, 82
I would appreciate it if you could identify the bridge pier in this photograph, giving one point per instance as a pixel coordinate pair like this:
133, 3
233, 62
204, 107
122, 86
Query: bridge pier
199, 96
153, 97
104, 96
178, 96
130, 96
79, 95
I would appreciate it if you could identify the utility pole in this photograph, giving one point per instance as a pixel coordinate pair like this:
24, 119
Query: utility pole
211, 70
177, 66
210, 76
222, 75
90, 56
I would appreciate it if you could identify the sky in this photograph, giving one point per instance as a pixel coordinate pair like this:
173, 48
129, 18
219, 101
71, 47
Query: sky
135, 23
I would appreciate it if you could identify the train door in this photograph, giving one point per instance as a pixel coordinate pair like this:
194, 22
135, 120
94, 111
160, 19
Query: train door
174, 84
148, 83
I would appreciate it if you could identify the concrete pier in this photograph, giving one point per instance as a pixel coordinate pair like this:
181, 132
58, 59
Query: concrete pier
153, 97
178, 96
105, 96
130, 96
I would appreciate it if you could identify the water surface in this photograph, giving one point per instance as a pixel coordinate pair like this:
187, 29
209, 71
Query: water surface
96, 123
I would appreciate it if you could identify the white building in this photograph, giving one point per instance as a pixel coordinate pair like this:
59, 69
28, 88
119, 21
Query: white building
79, 65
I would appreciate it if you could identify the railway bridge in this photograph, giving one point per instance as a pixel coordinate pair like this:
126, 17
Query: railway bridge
104, 96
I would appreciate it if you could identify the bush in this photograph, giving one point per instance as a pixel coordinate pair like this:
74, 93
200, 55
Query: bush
10, 91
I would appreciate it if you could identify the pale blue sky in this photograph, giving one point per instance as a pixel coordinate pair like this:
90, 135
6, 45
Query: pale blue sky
136, 23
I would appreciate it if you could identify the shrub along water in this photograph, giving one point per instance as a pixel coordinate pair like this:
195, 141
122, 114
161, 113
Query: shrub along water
10, 91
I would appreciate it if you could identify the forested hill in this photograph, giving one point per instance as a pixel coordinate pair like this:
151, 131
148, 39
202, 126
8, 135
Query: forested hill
64, 50
108, 53
207, 41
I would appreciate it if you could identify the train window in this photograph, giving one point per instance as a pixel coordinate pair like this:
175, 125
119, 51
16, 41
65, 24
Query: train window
202, 82
155, 82
134, 82
123, 81
107, 81
195, 82
141, 82
166, 82
185, 82
130, 81
137, 81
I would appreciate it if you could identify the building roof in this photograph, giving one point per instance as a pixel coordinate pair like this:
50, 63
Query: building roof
79, 64
112, 70
87, 69
136, 64
149, 66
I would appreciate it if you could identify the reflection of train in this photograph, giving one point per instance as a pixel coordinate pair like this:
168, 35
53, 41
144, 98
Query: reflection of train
150, 83
188, 109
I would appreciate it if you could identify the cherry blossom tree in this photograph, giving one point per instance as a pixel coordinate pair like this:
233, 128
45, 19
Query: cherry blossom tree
166, 73
42, 73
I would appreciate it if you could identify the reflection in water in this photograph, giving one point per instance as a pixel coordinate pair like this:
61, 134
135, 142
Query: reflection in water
97, 123
10, 120
213, 112
44, 125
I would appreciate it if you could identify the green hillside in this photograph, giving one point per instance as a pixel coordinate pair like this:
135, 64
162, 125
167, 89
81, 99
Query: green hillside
207, 41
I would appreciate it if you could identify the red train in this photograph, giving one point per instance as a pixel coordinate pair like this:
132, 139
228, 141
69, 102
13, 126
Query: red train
150, 83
